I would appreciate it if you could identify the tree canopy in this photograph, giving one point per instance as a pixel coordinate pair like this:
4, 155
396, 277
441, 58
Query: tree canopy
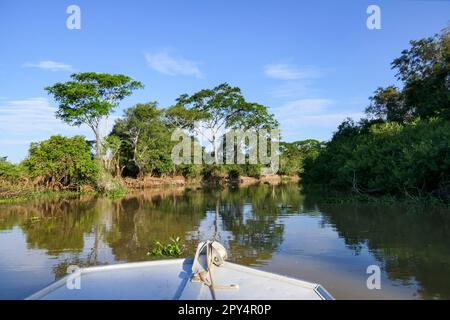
90, 97
424, 70
210, 112
146, 140
61, 162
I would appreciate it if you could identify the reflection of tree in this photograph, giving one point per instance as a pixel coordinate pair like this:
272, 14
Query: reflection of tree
54, 225
413, 244
79, 230
251, 215
143, 218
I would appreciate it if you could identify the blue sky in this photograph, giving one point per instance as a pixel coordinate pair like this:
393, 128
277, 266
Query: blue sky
314, 63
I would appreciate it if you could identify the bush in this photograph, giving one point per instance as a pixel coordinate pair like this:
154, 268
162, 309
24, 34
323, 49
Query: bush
252, 170
389, 158
9, 171
62, 162
234, 171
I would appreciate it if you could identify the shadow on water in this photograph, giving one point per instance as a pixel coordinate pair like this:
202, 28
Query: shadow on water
411, 244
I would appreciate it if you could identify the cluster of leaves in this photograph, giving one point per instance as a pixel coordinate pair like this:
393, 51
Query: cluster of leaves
62, 162
389, 158
11, 172
90, 97
294, 154
144, 132
145, 141
173, 249
424, 70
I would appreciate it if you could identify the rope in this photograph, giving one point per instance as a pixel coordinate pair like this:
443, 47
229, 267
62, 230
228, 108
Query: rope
202, 275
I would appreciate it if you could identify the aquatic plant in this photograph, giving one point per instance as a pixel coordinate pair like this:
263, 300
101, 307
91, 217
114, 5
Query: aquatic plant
173, 249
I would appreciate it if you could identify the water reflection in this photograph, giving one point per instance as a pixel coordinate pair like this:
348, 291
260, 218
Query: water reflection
412, 243
271, 227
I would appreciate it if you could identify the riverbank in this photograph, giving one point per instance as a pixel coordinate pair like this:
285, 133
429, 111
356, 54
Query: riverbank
6, 198
326, 196
178, 181
13, 194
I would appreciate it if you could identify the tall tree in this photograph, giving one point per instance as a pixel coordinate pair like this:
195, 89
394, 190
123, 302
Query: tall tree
388, 104
425, 70
146, 139
90, 98
210, 112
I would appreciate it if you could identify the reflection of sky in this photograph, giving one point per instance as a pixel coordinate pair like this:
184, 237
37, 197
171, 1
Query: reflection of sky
32, 267
315, 252
24, 271
206, 230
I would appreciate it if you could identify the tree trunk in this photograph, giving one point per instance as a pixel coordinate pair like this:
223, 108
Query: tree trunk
98, 145
214, 149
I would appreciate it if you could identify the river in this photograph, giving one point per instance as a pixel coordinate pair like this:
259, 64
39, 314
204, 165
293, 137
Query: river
273, 228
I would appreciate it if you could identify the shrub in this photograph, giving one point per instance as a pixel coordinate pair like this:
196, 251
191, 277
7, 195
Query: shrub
9, 171
62, 162
389, 158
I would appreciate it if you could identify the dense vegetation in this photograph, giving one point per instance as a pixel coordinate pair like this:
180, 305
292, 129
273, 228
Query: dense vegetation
403, 146
140, 143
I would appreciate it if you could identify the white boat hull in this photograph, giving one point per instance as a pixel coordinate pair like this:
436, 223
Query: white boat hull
171, 280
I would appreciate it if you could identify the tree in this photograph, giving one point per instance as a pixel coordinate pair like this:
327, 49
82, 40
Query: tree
61, 162
293, 155
146, 139
90, 98
111, 148
388, 104
424, 70
9, 171
209, 112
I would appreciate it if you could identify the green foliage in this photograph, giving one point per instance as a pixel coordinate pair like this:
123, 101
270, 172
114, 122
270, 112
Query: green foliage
173, 249
90, 97
404, 148
390, 158
294, 154
146, 144
213, 171
190, 171
117, 192
424, 69
252, 170
111, 159
9, 171
219, 109
62, 162
388, 104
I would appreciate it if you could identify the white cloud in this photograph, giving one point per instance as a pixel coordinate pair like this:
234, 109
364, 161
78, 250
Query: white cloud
49, 65
30, 120
283, 71
292, 90
169, 65
306, 106
311, 118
